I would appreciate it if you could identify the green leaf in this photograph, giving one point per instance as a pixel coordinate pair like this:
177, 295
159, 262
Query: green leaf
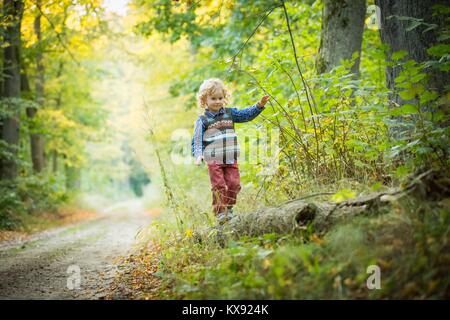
412, 92
412, 144
376, 186
418, 77
397, 55
406, 95
428, 96
401, 171
439, 50
405, 109
410, 63
343, 195
401, 77
424, 150
430, 27
413, 25
264, 253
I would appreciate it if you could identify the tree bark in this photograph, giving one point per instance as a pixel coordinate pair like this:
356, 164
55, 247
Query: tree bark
37, 140
12, 11
293, 216
73, 178
58, 103
342, 32
415, 42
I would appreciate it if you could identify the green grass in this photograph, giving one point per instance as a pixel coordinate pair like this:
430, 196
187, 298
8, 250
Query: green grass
410, 244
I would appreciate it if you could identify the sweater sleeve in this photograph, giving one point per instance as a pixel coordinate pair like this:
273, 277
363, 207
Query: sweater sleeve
199, 128
247, 114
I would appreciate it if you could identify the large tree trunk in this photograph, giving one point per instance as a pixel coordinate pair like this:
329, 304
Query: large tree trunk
37, 140
415, 42
342, 32
12, 10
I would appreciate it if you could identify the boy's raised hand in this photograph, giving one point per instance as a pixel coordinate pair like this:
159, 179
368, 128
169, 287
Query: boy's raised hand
198, 161
263, 101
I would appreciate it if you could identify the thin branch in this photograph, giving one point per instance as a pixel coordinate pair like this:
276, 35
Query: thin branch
310, 196
284, 111
58, 35
251, 35
301, 75
296, 91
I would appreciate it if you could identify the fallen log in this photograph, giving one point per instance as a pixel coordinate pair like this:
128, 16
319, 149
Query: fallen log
295, 215
292, 217
288, 218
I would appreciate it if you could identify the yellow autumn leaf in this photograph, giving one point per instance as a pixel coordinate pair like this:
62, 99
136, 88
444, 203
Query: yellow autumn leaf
316, 239
266, 263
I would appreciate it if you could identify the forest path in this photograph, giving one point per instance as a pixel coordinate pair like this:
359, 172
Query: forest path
47, 265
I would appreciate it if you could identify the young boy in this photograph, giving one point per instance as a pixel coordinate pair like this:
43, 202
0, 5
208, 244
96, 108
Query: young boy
215, 142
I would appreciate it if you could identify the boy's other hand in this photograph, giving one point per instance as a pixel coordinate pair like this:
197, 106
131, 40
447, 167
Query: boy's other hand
199, 160
263, 101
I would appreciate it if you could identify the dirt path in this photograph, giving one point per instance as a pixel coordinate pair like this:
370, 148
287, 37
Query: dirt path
47, 266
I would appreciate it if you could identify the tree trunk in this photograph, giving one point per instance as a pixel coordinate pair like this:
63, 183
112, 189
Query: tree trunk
415, 42
73, 178
291, 217
55, 161
37, 140
12, 11
58, 105
342, 32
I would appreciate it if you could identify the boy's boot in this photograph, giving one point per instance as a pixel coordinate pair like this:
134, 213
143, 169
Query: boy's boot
230, 212
222, 218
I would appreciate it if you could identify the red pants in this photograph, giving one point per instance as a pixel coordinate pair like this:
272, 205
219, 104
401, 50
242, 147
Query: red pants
225, 185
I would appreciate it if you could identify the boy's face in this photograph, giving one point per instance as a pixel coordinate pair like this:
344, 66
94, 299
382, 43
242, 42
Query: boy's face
215, 100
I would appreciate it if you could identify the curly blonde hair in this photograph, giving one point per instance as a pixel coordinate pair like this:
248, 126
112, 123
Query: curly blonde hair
210, 86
